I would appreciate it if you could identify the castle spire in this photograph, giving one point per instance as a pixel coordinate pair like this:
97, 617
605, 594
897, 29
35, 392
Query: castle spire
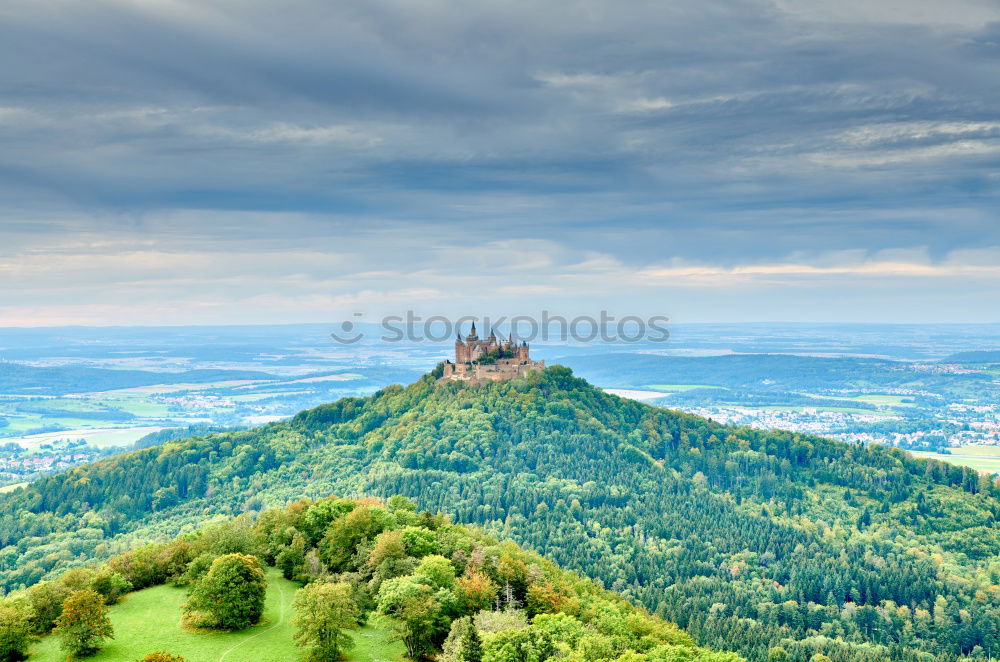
494, 358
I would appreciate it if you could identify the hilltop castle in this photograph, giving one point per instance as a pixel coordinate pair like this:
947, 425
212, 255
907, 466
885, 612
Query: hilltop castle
489, 359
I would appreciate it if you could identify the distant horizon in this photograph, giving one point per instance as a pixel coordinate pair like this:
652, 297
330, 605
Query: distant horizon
334, 322
267, 345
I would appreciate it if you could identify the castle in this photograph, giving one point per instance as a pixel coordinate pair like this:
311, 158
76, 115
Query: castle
489, 360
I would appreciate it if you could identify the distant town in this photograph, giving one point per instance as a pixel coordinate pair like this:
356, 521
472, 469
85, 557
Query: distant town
64, 406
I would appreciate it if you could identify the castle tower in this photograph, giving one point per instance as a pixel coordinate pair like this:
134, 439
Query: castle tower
522, 352
461, 350
489, 359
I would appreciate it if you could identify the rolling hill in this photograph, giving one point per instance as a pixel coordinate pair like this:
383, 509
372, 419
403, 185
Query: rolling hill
748, 539
415, 582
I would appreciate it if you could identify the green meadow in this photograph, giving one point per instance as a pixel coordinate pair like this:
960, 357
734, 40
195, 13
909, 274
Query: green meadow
679, 388
150, 620
979, 451
158, 389
887, 400
878, 400
102, 437
980, 458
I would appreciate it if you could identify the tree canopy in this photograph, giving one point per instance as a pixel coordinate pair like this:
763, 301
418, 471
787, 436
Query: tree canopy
747, 538
231, 594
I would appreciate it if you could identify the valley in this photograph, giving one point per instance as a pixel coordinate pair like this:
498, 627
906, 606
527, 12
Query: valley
573, 331
747, 538
67, 398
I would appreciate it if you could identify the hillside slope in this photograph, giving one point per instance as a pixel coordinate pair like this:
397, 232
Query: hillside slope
748, 539
416, 582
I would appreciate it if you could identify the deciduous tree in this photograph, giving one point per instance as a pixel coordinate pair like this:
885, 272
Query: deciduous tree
232, 593
13, 635
84, 623
323, 614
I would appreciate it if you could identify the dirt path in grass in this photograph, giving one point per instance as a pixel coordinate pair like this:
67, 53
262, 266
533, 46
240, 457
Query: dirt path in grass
279, 623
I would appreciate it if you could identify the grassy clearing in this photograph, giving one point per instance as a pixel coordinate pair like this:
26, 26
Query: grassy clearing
374, 643
101, 437
137, 406
64, 404
680, 388
346, 377
254, 397
21, 424
149, 620
633, 394
60, 412
887, 400
986, 464
852, 410
12, 487
158, 389
879, 400
978, 451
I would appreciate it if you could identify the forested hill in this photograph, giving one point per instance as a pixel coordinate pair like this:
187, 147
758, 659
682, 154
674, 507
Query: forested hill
751, 540
411, 576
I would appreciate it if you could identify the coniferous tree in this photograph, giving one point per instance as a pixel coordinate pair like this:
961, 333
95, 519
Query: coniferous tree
769, 531
472, 644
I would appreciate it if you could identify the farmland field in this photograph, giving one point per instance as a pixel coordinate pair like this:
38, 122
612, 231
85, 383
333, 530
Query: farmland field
98, 437
56, 416
874, 399
679, 388
980, 458
978, 451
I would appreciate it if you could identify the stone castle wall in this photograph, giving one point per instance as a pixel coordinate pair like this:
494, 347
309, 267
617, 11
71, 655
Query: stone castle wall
467, 368
500, 371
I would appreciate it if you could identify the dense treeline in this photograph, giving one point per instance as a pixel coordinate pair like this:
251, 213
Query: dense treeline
173, 434
439, 585
751, 540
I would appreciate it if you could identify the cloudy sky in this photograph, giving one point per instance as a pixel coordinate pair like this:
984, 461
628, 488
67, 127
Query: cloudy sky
166, 161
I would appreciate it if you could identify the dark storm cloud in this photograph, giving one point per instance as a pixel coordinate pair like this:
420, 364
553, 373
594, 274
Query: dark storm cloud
717, 133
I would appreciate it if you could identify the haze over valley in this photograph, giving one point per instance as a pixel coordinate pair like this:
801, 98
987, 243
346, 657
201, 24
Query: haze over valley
502, 331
